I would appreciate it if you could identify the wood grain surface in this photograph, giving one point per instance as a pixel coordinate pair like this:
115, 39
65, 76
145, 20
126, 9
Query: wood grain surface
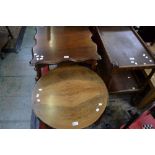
124, 47
70, 97
56, 44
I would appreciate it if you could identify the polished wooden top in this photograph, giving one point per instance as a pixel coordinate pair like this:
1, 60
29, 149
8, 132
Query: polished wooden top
70, 97
58, 43
124, 47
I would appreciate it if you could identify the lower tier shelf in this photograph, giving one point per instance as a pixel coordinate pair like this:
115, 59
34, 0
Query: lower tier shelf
129, 81
123, 81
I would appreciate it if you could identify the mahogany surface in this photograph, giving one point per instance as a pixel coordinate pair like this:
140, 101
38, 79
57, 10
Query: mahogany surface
122, 45
56, 44
69, 94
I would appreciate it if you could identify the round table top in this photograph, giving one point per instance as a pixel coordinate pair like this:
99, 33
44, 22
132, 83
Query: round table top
70, 97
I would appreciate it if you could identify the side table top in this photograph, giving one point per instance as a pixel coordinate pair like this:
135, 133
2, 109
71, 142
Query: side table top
70, 97
58, 43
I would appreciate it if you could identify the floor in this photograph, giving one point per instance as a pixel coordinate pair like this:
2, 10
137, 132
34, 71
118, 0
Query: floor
16, 85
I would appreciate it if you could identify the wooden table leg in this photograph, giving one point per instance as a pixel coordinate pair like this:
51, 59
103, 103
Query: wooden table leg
149, 96
148, 79
38, 71
93, 65
41, 70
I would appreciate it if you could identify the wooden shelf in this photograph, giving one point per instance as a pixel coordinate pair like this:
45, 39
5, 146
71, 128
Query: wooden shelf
123, 82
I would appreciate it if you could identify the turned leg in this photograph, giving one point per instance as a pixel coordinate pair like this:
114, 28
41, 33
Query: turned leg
38, 71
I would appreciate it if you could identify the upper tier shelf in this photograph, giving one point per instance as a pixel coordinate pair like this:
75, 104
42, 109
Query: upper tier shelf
124, 48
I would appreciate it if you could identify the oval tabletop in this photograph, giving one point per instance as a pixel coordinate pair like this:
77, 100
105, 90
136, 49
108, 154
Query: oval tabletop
70, 97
